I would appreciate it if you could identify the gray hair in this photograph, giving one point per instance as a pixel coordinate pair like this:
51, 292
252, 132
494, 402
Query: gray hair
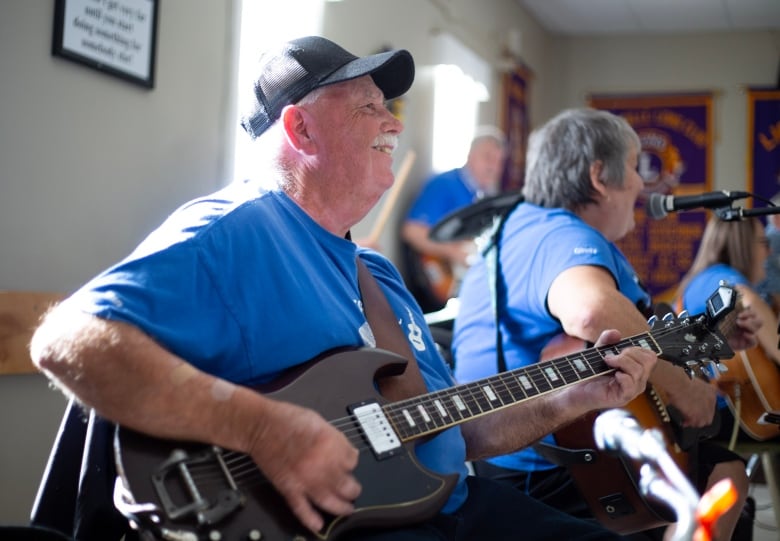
274, 159
561, 152
488, 133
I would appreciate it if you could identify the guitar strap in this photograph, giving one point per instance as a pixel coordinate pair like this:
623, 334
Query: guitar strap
555, 454
380, 317
493, 265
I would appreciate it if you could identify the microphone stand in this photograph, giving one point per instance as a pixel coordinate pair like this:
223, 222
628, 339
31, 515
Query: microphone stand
617, 431
732, 214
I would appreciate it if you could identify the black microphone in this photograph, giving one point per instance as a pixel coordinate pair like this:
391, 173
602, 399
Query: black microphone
659, 205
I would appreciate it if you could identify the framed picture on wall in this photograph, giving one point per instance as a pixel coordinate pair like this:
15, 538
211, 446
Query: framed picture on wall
117, 37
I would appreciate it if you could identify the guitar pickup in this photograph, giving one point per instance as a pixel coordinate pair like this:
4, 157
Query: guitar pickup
377, 429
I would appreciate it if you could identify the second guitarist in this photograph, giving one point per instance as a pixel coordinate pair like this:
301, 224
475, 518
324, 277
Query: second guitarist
736, 252
435, 268
559, 271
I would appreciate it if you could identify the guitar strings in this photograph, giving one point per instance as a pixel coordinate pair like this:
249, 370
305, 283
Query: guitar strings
472, 396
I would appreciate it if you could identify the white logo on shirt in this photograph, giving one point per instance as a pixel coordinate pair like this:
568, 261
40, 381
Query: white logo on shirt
367, 335
580, 250
415, 332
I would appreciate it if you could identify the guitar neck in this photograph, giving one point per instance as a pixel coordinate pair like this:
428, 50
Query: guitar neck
431, 413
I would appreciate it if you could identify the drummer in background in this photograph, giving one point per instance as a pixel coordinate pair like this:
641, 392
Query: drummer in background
441, 195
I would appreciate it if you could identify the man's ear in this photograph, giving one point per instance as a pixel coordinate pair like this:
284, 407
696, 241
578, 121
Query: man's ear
296, 123
597, 176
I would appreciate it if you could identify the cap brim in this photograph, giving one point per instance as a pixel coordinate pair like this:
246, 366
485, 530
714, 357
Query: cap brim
393, 72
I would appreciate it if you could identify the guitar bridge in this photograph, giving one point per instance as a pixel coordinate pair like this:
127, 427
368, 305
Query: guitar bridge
177, 489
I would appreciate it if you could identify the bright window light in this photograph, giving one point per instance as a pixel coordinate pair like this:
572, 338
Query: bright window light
291, 19
456, 98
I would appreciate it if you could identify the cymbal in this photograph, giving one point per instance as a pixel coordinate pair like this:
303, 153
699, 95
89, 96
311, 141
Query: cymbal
470, 221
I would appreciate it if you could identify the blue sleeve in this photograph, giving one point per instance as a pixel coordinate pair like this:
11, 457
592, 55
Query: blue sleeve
562, 248
170, 295
706, 282
440, 196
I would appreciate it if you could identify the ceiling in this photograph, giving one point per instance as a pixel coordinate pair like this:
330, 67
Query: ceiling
599, 17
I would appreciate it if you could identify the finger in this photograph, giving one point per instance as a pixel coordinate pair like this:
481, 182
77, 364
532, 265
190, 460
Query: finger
610, 336
334, 503
634, 362
306, 513
350, 489
336, 497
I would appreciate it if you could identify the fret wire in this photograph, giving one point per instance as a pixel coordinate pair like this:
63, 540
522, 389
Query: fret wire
470, 399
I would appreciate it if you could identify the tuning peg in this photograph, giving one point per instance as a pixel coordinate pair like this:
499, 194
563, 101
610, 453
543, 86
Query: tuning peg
709, 370
652, 320
668, 317
683, 315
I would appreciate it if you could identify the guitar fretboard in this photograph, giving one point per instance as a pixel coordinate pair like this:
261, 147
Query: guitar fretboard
431, 413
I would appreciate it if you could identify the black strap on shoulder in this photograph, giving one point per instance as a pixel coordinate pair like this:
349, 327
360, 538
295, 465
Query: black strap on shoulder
493, 265
553, 453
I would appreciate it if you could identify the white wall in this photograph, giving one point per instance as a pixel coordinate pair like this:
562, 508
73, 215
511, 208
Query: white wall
89, 163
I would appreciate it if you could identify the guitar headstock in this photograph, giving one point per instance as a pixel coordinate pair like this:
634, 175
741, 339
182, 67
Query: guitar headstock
694, 341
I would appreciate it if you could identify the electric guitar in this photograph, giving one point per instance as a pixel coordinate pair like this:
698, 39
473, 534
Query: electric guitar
195, 491
440, 276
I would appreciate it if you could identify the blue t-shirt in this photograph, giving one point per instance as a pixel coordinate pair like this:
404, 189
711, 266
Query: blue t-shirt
536, 245
704, 284
441, 195
243, 284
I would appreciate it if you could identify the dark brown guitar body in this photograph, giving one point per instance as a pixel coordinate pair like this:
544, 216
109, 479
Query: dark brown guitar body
401, 492
610, 484
189, 491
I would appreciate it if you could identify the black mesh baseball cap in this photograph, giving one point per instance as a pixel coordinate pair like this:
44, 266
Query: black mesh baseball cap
295, 68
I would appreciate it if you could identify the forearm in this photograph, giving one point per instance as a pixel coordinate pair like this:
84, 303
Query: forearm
519, 426
129, 379
585, 301
417, 236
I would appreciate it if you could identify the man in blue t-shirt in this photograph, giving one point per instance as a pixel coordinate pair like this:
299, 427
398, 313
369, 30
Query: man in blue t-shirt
437, 266
236, 287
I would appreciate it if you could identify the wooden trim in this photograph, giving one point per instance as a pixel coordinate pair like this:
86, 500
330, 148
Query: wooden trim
20, 312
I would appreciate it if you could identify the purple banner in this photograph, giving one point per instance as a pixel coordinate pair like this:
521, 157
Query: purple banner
763, 144
515, 125
676, 158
